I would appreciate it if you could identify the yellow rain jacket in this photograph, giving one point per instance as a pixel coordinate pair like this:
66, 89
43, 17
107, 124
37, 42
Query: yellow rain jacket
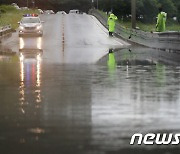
161, 22
112, 22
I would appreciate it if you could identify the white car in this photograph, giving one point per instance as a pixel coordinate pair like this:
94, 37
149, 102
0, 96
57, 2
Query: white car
30, 24
24, 8
74, 11
16, 6
40, 11
61, 12
49, 12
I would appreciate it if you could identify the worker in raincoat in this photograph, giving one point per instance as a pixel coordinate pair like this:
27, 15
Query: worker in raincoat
161, 21
111, 23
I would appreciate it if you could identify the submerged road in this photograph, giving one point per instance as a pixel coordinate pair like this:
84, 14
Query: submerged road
68, 95
69, 38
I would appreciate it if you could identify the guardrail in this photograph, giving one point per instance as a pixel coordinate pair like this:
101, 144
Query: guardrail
165, 40
5, 30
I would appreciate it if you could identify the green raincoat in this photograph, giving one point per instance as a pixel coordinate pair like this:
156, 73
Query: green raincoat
161, 22
112, 22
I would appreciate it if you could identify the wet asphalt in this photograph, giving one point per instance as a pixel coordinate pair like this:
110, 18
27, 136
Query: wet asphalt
75, 91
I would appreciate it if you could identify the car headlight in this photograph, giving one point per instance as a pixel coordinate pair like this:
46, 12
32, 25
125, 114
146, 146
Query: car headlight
21, 27
39, 27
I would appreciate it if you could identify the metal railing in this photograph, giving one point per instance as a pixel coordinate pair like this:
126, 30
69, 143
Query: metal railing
5, 30
164, 40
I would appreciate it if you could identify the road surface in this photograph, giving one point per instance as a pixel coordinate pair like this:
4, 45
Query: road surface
69, 39
71, 96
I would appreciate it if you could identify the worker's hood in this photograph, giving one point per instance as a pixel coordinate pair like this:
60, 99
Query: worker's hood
111, 15
164, 14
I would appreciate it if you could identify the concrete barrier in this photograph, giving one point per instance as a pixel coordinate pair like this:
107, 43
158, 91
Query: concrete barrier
165, 40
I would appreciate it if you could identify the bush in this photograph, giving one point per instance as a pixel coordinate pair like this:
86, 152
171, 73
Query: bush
12, 15
2, 11
7, 8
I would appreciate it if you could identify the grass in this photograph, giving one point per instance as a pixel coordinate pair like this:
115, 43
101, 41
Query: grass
142, 26
170, 26
11, 15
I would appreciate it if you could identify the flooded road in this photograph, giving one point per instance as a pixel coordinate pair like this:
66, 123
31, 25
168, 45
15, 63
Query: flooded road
79, 98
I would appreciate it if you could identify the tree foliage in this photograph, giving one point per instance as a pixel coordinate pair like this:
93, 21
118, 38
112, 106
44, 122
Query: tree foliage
122, 8
148, 9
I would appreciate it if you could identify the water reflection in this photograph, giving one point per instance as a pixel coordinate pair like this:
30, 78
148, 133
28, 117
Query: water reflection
30, 43
28, 73
21, 43
145, 97
30, 56
38, 71
160, 74
111, 60
7, 55
142, 56
87, 108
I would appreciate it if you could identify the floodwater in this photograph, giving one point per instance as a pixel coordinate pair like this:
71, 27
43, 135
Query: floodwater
88, 108
71, 92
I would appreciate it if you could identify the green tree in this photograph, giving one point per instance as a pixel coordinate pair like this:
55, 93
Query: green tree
148, 9
177, 5
169, 7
